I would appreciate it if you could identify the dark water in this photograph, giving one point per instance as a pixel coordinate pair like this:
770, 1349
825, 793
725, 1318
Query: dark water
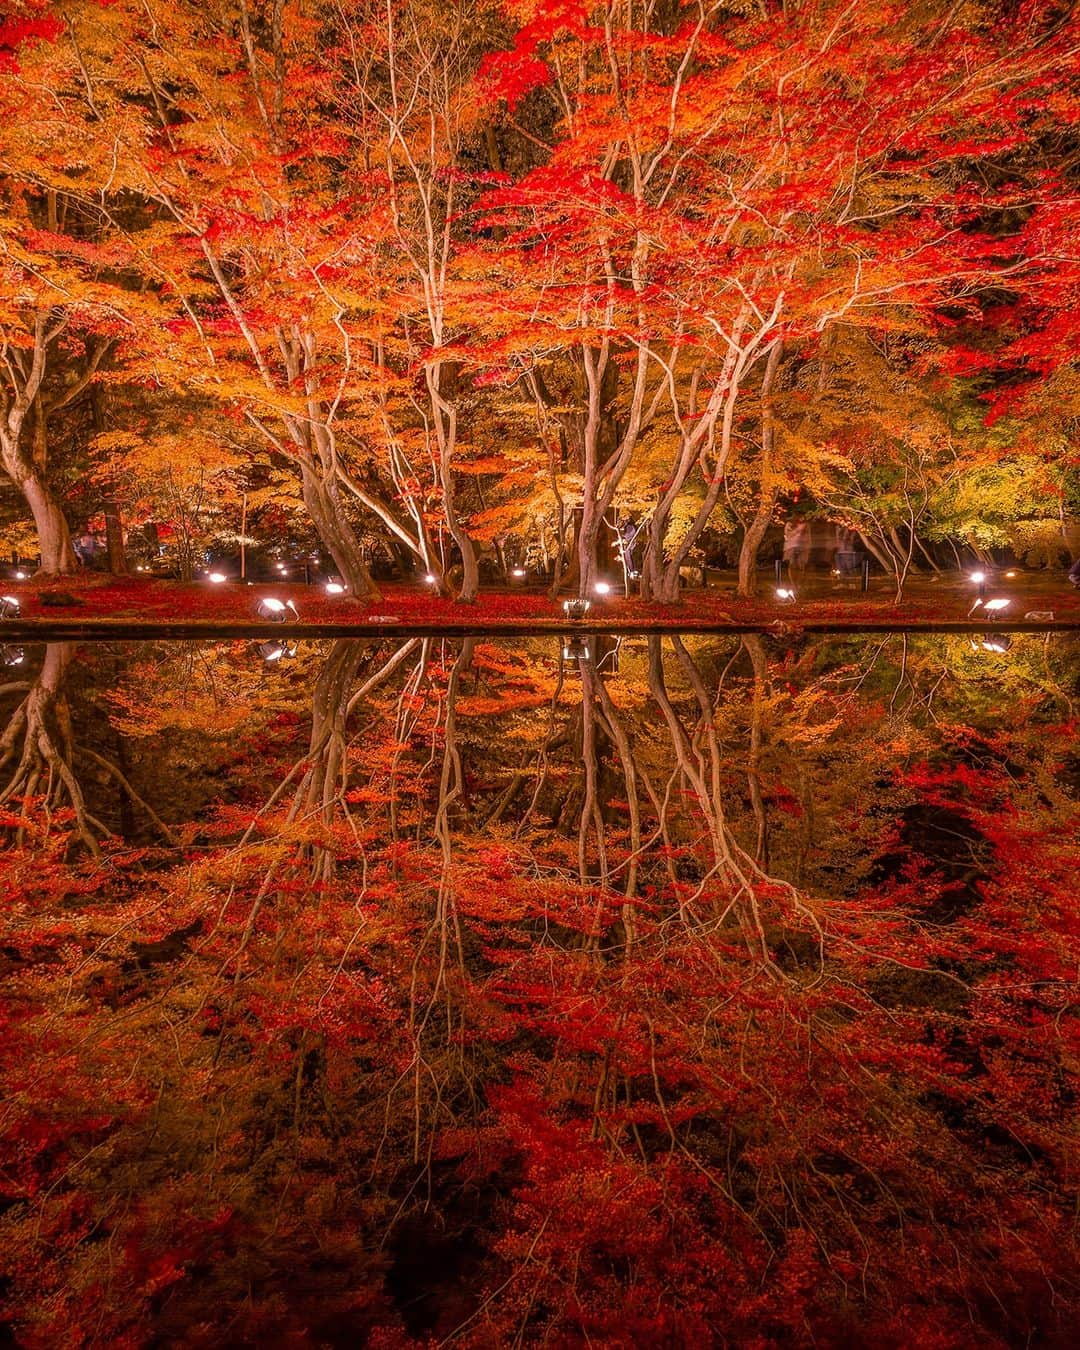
637, 991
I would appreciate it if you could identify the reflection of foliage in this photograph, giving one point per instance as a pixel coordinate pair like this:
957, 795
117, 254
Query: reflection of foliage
206, 693
670, 992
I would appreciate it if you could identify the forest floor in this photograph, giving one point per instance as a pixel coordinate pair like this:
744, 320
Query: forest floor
137, 607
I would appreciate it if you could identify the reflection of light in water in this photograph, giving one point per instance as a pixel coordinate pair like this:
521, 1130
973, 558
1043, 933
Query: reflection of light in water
276, 651
9, 607
991, 642
577, 649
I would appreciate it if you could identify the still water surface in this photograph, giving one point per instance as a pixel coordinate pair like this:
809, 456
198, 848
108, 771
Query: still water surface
605, 990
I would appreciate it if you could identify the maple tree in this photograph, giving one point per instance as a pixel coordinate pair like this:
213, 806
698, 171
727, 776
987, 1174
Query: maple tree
687, 226
376, 253
57, 316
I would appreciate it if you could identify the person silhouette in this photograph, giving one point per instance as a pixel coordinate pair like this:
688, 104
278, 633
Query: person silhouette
796, 545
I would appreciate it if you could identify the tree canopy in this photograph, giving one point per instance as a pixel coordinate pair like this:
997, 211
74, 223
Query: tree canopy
472, 283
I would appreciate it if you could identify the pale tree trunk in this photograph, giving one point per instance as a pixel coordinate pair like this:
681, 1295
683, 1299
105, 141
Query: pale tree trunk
603, 476
319, 795
671, 578
321, 500
755, 531
37, 774
695, 433
755, 649
445, 417
54, 538
26, 464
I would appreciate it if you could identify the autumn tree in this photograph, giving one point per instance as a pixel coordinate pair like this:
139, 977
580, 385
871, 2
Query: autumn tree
716, 189
58, 311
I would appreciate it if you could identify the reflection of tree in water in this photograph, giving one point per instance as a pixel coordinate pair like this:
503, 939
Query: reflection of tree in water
496, 982
39, 755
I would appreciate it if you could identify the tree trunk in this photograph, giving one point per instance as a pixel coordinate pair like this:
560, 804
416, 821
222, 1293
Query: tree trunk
54, 538
114, 530
319, 795
751, 543
27, 473
470, 571
756, 532
114, 539
321, 500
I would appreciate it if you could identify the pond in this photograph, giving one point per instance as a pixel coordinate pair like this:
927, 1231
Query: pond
637, 990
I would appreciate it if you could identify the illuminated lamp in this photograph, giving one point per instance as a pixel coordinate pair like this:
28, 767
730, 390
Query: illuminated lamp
992, 608
275, 650
277, 611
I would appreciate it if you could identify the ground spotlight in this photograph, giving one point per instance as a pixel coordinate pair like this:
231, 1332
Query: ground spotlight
993, 607
277, 611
